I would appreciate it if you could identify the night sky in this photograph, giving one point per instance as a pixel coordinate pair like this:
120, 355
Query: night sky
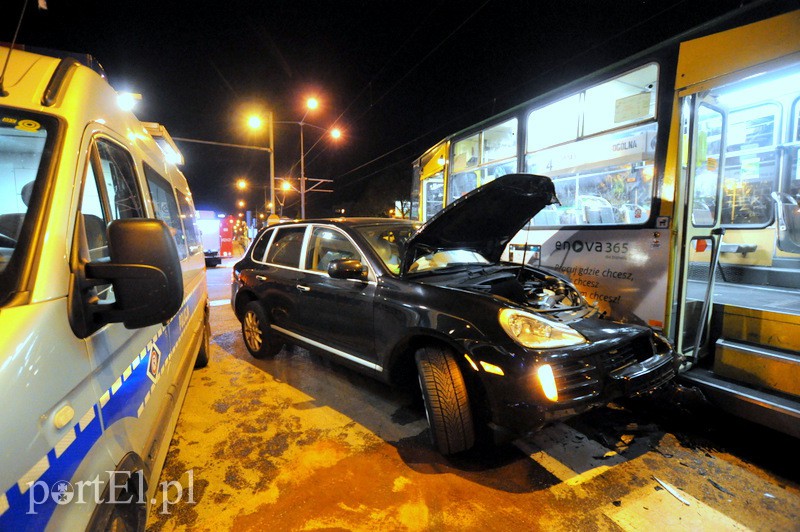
395, 76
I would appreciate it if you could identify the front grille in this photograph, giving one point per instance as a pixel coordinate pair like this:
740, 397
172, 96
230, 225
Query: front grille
653, 381
621, 357
576, 379
583, 378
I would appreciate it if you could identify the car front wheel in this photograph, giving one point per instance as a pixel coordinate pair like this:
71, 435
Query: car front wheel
446, 401
256, 332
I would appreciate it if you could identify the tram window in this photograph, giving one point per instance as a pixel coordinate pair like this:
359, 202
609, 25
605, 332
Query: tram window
625, 100
465, 153
433, 198
797, 121
707, 168
602, 180
752, 128
751, 168
460, 184
553, 124
483, 157
500, 141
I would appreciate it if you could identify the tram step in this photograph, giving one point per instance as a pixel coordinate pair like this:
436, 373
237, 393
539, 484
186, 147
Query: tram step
765, 368
770, 329
776, 411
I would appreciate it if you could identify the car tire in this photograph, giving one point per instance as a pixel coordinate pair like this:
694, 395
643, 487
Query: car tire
444, 394
204, 353
258, 337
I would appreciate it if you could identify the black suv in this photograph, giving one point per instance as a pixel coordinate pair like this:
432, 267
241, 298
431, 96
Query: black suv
492, 343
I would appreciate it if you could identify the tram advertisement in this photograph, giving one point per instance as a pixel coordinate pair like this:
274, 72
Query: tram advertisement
624, 272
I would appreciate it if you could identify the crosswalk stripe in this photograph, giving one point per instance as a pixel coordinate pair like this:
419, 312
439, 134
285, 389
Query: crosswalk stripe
568, 454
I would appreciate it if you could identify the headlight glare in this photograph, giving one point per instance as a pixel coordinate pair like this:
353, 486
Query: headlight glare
532, 331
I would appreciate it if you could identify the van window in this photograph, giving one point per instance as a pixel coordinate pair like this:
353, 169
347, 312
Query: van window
120, 181
26, 154
189, 217
166, 208
109, 193
285, 250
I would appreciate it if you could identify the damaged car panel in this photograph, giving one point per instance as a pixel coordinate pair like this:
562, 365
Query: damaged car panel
490, 343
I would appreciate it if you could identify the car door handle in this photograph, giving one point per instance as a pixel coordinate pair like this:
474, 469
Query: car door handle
261, 278
303, 288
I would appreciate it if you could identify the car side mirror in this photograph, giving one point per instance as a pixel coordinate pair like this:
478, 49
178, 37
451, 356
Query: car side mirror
347, 269
145, 272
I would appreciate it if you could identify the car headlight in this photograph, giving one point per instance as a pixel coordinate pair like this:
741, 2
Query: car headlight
532, 331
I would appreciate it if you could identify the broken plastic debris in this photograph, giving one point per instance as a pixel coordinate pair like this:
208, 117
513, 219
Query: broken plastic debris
672, 491
720, 488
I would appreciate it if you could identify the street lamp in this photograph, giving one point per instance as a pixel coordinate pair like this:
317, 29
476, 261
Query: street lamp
255, 122
285, 187
336, 133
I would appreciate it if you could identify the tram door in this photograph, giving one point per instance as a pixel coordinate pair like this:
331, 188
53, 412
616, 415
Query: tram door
703, 127
740, 259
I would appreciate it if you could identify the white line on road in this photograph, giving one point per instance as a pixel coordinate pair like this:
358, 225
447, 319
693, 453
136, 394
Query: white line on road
569, 455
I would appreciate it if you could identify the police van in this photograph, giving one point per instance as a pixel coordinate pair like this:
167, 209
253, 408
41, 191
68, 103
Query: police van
103, 299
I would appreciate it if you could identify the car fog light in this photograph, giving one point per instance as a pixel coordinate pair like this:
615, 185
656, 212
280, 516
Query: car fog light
548, 382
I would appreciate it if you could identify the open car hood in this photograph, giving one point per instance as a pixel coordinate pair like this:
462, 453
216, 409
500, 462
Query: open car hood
483, 220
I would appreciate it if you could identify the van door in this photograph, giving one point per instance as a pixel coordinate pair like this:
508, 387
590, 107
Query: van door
128, 362
50, 417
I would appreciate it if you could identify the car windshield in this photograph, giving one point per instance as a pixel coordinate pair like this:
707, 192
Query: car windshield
26, 141
447, 259
387, 240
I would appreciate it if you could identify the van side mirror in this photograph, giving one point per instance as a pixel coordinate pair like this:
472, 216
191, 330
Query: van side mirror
347, 269
145, 272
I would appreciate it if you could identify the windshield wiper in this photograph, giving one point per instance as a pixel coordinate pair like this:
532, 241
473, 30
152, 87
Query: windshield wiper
452, 267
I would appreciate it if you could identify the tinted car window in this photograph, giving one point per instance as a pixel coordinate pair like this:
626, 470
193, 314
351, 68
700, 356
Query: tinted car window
261, 246
285, 250
327, 245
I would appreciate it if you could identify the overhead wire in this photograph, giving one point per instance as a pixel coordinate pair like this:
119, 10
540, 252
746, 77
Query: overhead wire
386, 64
505, 92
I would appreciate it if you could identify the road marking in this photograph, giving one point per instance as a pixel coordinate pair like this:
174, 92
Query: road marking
569, 455
649, 509
219, 302
574, 459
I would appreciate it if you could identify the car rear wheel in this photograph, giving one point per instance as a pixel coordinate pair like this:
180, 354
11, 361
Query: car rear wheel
446, 401
256, 332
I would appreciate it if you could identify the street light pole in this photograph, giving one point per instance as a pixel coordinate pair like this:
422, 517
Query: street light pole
302, 173
271, 167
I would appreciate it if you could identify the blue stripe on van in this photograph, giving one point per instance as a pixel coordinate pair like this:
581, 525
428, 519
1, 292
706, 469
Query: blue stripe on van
62, 464
134, 390
127, 397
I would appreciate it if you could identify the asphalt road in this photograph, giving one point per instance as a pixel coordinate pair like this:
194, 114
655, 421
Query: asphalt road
299, 443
